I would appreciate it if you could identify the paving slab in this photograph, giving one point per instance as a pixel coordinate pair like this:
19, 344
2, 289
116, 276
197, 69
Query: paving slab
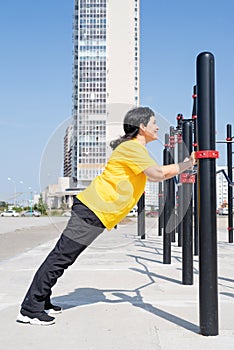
118, 295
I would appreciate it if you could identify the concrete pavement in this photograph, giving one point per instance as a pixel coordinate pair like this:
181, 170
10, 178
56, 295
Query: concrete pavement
118, 295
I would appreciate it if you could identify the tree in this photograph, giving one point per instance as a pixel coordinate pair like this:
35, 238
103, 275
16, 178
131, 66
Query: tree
3, 205
41, 206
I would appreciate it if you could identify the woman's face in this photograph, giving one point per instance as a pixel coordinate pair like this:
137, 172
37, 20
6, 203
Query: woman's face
150, 130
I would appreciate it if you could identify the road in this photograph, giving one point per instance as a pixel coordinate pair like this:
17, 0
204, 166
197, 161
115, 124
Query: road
18, 235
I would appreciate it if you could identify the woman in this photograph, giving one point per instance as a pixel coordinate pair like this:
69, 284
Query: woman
103, 204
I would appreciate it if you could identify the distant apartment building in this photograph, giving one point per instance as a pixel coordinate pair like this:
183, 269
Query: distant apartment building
222, 188
67, 158
151, 194
105, 79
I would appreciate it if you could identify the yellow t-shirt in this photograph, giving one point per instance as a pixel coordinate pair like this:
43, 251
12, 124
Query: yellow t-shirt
116, 191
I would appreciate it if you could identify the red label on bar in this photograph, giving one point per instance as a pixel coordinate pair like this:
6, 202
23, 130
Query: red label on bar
187, 178
206, 154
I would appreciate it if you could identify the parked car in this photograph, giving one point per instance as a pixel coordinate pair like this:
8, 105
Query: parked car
225, 211
67, 213
132, 212
152, 214
9, 213
31, 213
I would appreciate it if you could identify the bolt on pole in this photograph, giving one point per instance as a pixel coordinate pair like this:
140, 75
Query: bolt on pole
208, 294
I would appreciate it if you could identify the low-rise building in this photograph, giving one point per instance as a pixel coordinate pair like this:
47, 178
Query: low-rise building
60, 195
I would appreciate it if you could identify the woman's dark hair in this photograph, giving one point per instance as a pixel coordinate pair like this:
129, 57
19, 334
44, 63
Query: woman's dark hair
131, 124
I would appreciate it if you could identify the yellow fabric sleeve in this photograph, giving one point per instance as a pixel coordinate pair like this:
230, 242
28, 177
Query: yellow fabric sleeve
116, 191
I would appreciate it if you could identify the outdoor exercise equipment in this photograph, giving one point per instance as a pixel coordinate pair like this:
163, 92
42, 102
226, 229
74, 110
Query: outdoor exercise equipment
141, 217
203, 127
206, 156
186, 179
195, 194
168, 206
160, 209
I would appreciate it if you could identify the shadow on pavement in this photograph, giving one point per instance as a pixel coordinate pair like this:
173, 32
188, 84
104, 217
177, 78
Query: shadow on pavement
88, 296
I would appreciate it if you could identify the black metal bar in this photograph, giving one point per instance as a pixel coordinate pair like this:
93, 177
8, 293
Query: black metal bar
167, 206
208, 294
180, 215
187, 251
180, 188
172, 184
160, 209
231, 183
224, 141
230, 189
194, 116
141, 217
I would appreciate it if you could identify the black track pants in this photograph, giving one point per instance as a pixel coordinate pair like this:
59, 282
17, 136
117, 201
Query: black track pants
82, 228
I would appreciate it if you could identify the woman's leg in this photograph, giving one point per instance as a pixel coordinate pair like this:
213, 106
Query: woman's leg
61, 257
82, 228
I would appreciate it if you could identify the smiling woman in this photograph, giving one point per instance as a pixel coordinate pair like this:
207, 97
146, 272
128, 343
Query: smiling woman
103, 204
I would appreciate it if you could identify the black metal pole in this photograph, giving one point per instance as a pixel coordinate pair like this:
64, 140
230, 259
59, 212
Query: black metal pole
187, 251
172, 184
180, 189
141, 216
208, 294
194, 116
160, 209
230, 188
167, 208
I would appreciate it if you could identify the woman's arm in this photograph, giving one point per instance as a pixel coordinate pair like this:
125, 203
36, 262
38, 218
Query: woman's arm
158, 173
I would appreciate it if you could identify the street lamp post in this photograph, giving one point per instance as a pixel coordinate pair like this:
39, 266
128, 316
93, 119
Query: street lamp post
10, 179
31, 199
23, 195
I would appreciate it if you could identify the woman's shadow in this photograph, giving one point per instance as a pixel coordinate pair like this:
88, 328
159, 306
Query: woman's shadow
83, 296
88, 296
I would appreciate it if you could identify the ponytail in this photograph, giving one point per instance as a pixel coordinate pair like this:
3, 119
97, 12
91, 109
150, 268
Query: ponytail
123, 138
131, 124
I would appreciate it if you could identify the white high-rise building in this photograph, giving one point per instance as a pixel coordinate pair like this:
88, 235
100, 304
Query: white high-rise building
67, 158
105, 79
222, 187
151, 194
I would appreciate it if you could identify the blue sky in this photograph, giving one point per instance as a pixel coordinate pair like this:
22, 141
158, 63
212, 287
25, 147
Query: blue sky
36, 72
